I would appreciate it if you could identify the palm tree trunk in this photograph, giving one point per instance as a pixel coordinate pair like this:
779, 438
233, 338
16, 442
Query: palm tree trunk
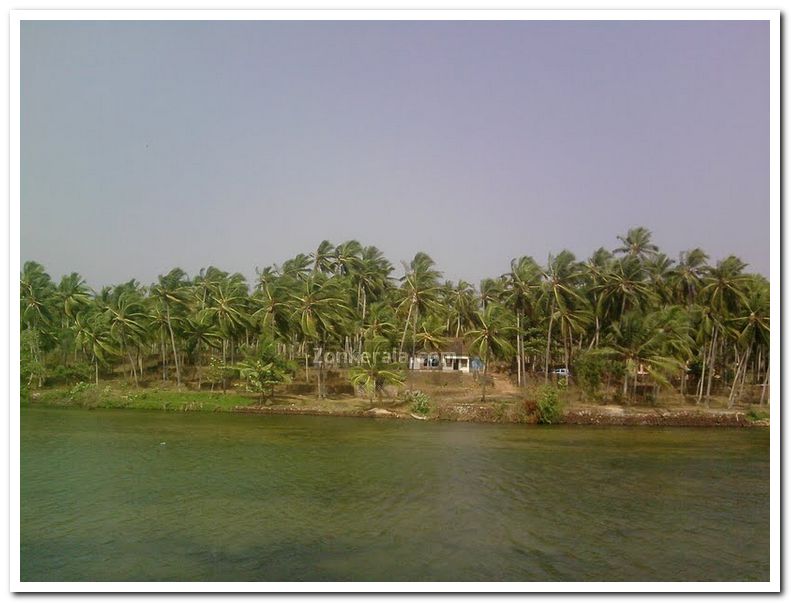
406, 326
164, 357
711, 363
740, 369
765, 387
173, 343
625, 384
485, 370
518, 352
414, 333
319, 383
549, 341
132, 362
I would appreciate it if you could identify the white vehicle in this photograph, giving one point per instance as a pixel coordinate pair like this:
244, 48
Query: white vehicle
561, 372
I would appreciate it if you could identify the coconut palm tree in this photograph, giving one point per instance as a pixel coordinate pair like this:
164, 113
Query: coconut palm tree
686, 280
318, 309
637, 243
127, 320
201, 333
521, 293
723, 291
559, 290
751, 325
376, 369
594, 274
460, 303
171, 294
323, 258
93, 336
419, 290
644, 347
38, 297
490, 337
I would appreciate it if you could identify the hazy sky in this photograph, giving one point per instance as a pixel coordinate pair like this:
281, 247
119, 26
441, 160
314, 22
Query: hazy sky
149, 145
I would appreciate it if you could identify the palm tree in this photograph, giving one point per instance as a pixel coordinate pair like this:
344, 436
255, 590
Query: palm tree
624, 287
418, 292
490, 337
201, 332
687, 278
522, 289
170, 292
92, 334
637, 243
460, 303
38, 296
318, 309
229, 302
376, 369
751, 326
659, 273
559, 290
649, 343
323, 258
73, 295
596, 270
37, 308
297, 267
723, 291
371, 277
127, 320
347, 257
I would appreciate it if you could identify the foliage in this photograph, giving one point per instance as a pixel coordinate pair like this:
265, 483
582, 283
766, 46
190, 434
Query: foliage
263, 373
757, 415
79, 389
71, 373
375, 370
261, 377
696, 325
31, 368
589, 368
419, 403
548, 405
219, 372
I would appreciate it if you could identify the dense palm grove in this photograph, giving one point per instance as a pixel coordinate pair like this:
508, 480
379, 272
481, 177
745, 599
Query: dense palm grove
630, 320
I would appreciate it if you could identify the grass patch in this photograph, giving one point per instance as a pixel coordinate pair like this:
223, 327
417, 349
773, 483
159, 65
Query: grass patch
757, 415
107, 396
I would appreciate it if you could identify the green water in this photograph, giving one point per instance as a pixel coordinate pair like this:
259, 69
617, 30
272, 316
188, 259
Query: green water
138, 495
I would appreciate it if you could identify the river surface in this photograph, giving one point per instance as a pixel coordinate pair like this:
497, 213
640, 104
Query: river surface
128, 495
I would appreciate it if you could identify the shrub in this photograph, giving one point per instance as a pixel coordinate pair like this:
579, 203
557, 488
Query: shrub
757, 415
589, 368
73, 373
548, 405
77, 392
420, 403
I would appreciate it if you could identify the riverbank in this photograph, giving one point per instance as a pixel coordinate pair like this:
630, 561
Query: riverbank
511, 409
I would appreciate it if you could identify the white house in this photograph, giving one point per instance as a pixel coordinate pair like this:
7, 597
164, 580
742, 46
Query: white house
440, 361
454, 358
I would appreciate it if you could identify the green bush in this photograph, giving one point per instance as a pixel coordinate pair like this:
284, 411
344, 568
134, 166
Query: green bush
420, 403
548, 405
757, 415
78, 391
589, 368
73, 373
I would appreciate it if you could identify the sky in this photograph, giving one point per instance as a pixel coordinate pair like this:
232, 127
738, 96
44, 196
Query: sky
150, 145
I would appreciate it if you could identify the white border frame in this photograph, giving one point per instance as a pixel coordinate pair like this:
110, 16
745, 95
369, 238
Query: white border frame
772, 16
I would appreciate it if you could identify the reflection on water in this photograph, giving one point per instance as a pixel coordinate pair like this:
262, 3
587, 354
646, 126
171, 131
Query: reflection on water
136, 495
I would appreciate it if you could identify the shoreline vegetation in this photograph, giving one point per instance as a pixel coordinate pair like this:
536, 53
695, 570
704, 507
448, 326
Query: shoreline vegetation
625, 337
504, 411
